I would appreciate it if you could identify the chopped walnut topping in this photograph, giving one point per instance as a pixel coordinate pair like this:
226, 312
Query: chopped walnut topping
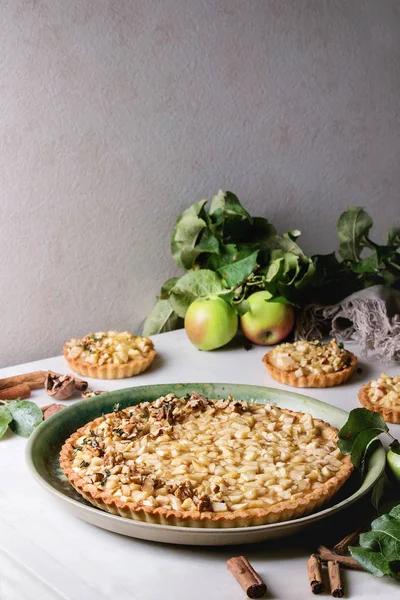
204, 503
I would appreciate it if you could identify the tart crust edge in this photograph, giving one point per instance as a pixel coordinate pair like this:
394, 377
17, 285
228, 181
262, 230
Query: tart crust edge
133, 367
390, 415
310, 381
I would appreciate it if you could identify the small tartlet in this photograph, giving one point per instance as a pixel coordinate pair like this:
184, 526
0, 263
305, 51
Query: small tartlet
310, 364
382, 395
109, 354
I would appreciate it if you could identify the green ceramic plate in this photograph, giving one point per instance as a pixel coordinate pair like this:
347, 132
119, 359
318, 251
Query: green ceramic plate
45, 444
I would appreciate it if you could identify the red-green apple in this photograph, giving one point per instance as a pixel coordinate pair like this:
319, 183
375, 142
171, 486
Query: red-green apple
210, 322
265, 322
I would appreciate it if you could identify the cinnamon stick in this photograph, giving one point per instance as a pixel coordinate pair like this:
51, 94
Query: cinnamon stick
345, 561
248, 578
334, 579
314, 574
17, 391
351, 539
34, 380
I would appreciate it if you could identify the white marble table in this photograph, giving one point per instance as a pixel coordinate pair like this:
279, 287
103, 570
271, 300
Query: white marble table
46, 553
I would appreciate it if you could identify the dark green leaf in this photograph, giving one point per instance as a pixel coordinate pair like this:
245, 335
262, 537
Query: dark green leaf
361, 444
287, 243
258, 235
353, 229
373, 562
5, 420
395, 446
186, 234
274, 269
379, 550
26, 416
369, 264
360, 419
226, 203
377, 492
393, 238
238, 271
161, 319
306, 275
395, 512
193, 285
208, 245
229, 253
167, 287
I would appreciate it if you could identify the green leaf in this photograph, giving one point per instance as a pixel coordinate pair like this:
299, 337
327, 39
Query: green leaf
377, 491
373, 562
257, 235
353, 229
358, 433
360, 419
369, 264
238, 271
208, 245
306, 275
26, 416
286, 242
167, 287
186, 234
5, 420
193, 285
229, 253
362, 443
393, 238
226, 203
161, 319
379, 550
274, 269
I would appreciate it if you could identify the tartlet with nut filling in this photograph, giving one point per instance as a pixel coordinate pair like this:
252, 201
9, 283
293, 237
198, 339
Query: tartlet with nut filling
109, 354
382, 395
310, 364
198, 462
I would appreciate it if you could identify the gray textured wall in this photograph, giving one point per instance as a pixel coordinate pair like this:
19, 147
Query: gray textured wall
115, 115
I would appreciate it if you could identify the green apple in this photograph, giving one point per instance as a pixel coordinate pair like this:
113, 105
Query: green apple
210, 322
265, 322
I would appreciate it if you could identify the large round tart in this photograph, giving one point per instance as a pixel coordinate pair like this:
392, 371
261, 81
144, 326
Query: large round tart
198, 462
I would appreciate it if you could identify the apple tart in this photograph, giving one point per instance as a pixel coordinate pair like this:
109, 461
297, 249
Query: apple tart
109, 354
198, 462
310, 364
383, 396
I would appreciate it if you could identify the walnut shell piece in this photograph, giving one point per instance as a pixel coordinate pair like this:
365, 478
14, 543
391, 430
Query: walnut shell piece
51, 409
60, 387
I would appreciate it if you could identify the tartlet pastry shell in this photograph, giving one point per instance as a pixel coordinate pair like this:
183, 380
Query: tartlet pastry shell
390, 415
283, 511
111, 371
310, 381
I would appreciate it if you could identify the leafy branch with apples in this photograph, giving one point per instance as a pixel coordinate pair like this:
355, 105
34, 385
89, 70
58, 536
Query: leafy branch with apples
240, 269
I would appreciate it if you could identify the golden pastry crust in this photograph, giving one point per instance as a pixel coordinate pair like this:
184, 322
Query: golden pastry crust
295, 375
109, 355
129, 369
290, 508
391, 414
